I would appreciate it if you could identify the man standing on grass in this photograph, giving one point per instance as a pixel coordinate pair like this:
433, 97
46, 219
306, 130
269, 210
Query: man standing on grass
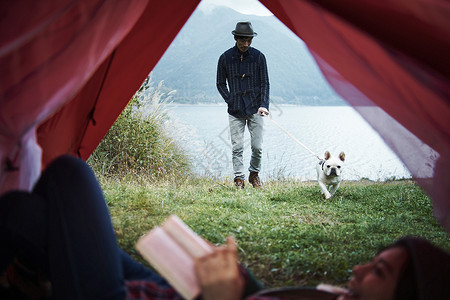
247, 96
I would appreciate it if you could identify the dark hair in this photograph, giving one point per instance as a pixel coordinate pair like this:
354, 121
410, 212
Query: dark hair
426, 274
406, 286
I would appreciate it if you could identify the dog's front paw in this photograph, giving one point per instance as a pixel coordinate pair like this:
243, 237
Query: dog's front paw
327, 195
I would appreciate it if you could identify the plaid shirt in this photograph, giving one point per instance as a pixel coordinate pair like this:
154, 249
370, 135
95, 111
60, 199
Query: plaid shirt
146, 290
247, 78
150, 290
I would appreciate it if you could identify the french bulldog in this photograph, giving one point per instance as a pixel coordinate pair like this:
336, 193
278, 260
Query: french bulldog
329, 173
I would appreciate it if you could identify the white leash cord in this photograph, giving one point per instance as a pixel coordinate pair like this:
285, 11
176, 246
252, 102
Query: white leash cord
291, 136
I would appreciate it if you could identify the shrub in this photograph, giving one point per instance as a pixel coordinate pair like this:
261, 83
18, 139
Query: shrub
138, 144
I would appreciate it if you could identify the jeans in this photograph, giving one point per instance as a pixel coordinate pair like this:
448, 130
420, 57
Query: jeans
63, 227
255, 126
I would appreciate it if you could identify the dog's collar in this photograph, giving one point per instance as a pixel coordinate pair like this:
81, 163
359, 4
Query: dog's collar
321, 163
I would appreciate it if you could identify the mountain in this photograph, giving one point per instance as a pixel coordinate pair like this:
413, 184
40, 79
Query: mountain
189, 64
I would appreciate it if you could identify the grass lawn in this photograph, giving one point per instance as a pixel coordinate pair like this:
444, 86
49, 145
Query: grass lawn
287, 233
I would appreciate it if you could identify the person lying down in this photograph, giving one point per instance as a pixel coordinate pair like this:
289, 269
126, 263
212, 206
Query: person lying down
62, 229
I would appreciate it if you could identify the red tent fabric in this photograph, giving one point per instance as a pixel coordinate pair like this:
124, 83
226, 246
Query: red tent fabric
69, 68
389, 59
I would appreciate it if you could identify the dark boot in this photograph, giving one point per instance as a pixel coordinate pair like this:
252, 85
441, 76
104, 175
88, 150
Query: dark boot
240, 183
253, 178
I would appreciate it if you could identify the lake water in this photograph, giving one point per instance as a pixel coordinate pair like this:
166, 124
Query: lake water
203, 131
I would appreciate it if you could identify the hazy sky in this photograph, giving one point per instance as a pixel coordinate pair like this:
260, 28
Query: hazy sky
249, 7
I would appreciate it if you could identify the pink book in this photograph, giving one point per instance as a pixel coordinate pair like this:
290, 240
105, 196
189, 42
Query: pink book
171, 249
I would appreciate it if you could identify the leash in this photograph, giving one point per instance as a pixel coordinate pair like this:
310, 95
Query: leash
291, 136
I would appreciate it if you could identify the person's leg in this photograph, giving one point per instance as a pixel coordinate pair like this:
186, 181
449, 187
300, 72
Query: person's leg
255, 127
23, 230
6, 256
84, 257
237, 127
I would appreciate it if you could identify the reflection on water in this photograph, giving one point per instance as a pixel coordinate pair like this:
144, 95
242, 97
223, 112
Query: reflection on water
203, 131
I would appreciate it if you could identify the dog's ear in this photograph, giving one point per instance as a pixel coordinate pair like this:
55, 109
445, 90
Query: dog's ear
342, 156
327, 155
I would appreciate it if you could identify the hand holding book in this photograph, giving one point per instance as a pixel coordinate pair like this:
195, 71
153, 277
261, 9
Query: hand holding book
218, 273
189, 263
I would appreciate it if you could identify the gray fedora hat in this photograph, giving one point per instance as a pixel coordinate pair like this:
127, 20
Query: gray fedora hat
244, 29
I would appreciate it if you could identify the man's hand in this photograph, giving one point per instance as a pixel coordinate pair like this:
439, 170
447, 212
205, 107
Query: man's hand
218, 273
262, 111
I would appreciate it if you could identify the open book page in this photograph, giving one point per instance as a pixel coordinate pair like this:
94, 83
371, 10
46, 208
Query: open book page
170, 249
186, 237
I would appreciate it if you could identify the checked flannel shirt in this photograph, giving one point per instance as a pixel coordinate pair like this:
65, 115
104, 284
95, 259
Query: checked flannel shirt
161, 290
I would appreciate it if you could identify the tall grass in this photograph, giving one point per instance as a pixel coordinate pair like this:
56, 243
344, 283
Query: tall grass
138, 146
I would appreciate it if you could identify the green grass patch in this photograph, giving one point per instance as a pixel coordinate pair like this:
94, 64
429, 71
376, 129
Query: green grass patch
139, 144
287, 233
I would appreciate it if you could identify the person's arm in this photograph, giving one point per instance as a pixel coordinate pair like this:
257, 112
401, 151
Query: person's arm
219, 275
221, 80
265, 86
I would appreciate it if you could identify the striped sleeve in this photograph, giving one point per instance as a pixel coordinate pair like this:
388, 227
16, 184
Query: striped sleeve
265, 86
221, 80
